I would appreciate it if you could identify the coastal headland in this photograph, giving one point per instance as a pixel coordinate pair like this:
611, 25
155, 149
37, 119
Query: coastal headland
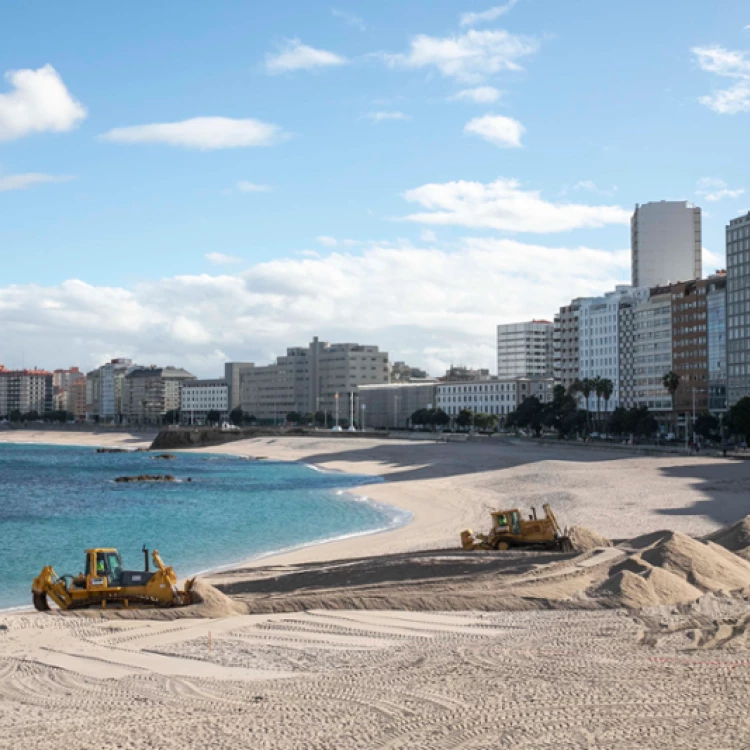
398, 639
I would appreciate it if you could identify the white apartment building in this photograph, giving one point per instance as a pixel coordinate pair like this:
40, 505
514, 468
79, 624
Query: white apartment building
666, 243
499, 396
320, 377
652, 349
199, 397
25, 391
104, 390
599, 340
525, 349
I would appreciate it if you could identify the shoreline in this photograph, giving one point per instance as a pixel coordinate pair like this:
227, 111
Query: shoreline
448, 487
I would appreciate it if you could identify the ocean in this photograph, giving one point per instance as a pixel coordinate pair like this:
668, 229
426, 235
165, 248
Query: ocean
55, 502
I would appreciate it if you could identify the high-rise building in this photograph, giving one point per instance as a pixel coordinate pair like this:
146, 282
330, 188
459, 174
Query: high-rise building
61, 382
738, 309
652, 349
716, 308
525, 349
104, 390
565, 345
25, 391
690, 345
148, 393
665, 243
232, 374
320, 377
599, 340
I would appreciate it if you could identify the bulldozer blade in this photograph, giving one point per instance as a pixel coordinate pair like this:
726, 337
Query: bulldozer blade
40, 602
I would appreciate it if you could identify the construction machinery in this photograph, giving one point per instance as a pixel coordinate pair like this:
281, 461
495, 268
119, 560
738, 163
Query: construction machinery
511, 529
103, 582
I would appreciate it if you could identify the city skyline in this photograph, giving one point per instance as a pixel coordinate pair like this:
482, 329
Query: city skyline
410, 175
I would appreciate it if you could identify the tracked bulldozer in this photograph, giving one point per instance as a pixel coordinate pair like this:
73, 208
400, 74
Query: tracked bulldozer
103, 582
510, 529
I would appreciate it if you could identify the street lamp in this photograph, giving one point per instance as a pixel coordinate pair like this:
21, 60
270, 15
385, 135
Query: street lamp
363, 408
336, 400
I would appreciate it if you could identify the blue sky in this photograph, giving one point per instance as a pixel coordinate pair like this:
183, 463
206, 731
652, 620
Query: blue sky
357, 125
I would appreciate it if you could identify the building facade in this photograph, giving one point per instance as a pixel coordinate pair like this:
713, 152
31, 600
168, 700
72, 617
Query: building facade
498, 396
652, 349
77, 399
401, 372
565, 345
716, 308
61, 384
232, 374
148, 393
104, 387
600, 351
25, 391
525, 349
690, 345
319, 377
666, 243
738, 309
392, 404
198, 398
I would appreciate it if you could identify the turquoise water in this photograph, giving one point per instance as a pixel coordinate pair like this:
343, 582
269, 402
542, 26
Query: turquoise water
57, 501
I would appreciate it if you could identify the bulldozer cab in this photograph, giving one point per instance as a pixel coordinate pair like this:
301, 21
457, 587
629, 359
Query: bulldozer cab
103, 563
507, 521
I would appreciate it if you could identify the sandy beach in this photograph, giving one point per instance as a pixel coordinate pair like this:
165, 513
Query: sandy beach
334, 655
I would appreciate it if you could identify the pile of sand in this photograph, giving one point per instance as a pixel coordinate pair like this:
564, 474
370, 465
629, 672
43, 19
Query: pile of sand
648, 589
671, 568
705, 565
210, 602
735, 538
584, 539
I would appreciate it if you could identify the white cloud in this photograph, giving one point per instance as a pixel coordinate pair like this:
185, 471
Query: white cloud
401, 297
23, 181
297, 56
205, 133
728, 64
504, 132
478, 95
385, 116
349, 18
592, 187
714, 189
327, 241
221, 259
470, 57
251, 187
39, 102
427, 235
504, 205
471, 19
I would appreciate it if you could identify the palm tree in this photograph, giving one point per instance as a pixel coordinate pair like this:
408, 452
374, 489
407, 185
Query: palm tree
587, 385
599, 393
607, 388
671, 381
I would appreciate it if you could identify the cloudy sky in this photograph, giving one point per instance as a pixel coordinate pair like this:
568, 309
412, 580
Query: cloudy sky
189, 183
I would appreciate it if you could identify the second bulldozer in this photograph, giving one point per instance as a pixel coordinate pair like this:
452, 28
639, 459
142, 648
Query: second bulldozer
511, 529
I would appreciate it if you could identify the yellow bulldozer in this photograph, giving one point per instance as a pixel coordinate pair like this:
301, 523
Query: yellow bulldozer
103, 581
511, 529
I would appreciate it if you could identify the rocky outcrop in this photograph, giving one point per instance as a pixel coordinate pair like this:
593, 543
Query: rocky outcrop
148, 478
113, 450
165, 456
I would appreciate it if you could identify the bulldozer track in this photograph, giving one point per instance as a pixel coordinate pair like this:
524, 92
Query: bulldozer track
562, 679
